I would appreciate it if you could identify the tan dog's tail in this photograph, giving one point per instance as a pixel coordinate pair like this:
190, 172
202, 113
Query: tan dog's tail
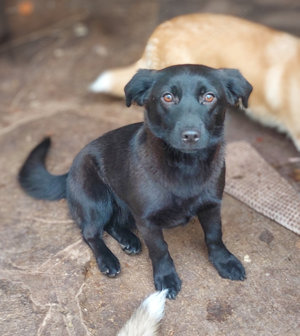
145, 320
113, 81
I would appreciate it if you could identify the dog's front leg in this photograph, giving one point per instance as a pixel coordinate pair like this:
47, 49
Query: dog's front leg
225, 262
164, 272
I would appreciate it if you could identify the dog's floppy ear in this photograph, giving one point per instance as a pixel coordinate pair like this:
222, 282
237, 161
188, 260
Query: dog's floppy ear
139, 87
236, 87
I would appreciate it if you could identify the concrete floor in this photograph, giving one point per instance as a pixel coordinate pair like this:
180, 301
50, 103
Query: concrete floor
49, 281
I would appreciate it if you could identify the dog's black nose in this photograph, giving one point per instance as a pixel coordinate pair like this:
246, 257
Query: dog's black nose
190, 136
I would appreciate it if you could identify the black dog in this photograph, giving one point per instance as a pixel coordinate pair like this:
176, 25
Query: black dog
157, 174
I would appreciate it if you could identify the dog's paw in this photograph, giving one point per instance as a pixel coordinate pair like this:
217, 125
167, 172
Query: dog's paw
229, 267
109, 265
131, 244
171, 282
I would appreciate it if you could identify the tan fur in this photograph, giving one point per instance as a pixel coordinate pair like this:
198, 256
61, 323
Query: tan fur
269, 59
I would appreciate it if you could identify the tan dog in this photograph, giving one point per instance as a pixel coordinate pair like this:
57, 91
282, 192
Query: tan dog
269, 59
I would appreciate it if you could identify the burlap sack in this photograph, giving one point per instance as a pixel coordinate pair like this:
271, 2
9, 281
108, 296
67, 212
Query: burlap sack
253, 181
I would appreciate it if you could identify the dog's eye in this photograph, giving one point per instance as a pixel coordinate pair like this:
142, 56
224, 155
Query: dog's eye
208, 97
168, 98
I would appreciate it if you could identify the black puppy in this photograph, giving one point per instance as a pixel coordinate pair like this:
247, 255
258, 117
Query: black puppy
157, 174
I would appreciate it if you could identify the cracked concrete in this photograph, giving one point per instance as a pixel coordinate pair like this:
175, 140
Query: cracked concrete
49, 281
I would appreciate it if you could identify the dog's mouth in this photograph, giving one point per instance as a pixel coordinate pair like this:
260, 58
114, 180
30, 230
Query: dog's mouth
189, 150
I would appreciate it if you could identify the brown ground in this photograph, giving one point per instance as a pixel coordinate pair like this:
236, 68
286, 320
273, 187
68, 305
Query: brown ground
49, 282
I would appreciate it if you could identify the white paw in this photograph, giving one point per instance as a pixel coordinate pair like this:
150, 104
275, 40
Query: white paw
102, 83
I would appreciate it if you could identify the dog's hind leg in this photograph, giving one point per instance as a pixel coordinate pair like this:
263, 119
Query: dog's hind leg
113, 81
108, 263
92, 226
91, 205
119, 228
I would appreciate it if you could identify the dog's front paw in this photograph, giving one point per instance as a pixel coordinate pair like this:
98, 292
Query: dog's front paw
229, 267
170, 281
109, 265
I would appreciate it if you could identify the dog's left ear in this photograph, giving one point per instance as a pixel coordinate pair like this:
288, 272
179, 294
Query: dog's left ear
236, 86
138, 88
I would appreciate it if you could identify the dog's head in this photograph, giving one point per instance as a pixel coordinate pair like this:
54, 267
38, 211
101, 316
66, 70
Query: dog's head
186, 104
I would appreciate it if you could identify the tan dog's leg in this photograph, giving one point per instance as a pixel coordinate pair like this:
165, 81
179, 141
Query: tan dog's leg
113, 81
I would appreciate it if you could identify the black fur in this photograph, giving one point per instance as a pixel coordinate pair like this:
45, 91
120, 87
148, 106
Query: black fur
155, 174
36, 180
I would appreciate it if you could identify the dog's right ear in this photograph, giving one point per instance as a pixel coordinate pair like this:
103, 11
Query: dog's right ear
138, 88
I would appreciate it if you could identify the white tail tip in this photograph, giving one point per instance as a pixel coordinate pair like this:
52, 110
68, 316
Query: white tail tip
145, 320
155, 304
102, 83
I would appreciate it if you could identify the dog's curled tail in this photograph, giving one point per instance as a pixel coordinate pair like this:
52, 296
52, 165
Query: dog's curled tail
36, 180
145, 320
113, 81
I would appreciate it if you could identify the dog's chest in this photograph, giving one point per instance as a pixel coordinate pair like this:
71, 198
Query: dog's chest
175, 212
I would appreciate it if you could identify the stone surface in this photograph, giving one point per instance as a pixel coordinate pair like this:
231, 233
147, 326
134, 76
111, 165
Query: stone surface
49, 281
